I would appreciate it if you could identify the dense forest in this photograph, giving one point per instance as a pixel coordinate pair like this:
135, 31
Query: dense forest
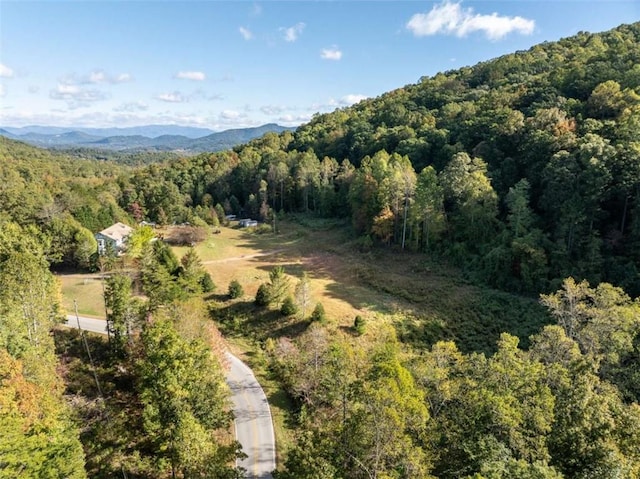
523, 171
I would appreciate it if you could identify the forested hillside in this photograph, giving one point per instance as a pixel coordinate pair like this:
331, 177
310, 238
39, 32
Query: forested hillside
524, 169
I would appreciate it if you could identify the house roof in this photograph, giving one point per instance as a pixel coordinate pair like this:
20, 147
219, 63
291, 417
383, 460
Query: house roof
117, 232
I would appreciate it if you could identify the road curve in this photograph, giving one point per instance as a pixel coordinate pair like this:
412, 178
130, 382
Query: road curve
253, 424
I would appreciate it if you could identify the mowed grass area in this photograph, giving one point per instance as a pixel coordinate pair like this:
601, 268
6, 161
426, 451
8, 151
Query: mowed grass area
86, 289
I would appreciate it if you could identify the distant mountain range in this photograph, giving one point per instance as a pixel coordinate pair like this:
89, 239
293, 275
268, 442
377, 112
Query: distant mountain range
150, 137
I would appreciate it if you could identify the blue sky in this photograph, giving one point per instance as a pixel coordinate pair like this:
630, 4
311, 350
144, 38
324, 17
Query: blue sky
236, 64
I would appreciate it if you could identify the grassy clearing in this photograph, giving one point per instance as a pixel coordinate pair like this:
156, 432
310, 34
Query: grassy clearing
426, 300
86, 289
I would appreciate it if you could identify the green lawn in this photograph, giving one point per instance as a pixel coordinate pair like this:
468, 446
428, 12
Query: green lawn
86, 290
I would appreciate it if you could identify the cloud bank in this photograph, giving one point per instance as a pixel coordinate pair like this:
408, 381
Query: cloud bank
449, 18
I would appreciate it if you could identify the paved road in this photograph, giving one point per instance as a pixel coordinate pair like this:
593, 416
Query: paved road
254, 427
253, 424
88, 324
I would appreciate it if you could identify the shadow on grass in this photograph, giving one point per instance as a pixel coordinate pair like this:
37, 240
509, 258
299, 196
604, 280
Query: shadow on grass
245, 319
279, 399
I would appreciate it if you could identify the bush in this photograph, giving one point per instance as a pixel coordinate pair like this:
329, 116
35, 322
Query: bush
235, 289
207, 283
263, 295
318, 314
187, 235
289, 307
358, 325
263, 229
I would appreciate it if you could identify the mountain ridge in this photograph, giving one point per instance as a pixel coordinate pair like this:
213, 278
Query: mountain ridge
130, 139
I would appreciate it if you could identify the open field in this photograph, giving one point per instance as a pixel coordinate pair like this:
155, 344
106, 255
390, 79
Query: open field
86, 289
425, 299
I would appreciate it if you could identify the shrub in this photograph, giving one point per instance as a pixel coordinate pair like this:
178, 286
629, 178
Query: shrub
318, 313
187, 235
207, 283
263, 295
289, 307
235, 289
358, 325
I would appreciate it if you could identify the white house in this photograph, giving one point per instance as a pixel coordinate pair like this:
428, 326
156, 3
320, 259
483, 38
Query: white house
114, 238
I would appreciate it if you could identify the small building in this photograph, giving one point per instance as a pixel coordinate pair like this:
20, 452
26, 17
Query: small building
246, 223
113, 238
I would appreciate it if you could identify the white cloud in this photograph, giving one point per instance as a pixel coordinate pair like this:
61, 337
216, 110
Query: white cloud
293, 120
332, 53
246, 33
195, 76
96, 77
75, 96
5, 71
231, 115
291, 34
172, 97
103, 118
122, 78
351, 99
451, 19
132, 107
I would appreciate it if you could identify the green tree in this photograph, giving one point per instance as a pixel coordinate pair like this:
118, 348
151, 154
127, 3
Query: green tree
120, 311
263, 295
38, 439
185, 402
278, 285
592, 429
289, 307
235, 289
428, 208
138, 239
318, 314
471, 198
192, 273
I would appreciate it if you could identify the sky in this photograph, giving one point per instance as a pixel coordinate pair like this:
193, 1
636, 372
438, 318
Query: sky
237, 64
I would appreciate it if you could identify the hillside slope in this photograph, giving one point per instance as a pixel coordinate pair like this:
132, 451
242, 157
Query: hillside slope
524, 169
